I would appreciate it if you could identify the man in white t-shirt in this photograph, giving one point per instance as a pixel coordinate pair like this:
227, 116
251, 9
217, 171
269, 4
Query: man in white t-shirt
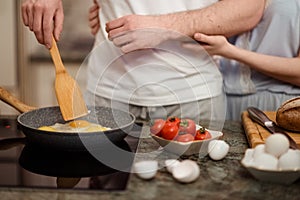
161, 79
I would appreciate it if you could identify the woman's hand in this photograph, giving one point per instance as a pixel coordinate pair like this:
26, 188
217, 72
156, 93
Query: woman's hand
214, 45
94, 21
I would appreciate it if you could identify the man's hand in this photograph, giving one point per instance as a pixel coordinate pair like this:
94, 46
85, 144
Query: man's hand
130, 23
44, 18
134, 32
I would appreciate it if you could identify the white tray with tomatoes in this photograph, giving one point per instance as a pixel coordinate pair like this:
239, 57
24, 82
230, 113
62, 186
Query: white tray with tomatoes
182, 136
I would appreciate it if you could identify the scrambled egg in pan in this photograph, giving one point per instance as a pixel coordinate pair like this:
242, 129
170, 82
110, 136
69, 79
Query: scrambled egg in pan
75, 126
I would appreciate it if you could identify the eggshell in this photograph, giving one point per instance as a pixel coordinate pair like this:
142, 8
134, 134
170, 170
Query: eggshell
277, 144
297, 152
170, 164
186, 171
146, 169
289, 160
217, 149
266, 161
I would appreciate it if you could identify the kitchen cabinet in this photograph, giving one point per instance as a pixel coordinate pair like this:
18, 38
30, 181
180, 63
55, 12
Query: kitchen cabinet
8, 50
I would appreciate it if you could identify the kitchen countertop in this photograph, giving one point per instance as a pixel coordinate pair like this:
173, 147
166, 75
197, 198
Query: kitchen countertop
225, 179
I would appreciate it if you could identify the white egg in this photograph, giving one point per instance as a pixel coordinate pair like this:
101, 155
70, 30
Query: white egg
266, 161
146, 169
297, 152
277, 144
289, 160
259, 149
170, 164
186, 171
217, 149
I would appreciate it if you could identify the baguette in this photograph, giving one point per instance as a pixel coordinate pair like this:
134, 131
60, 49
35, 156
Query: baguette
288, 115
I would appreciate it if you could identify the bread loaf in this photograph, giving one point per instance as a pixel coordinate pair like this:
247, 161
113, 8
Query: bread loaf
288, 115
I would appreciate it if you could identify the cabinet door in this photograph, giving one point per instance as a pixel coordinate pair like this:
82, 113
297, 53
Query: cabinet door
8, 42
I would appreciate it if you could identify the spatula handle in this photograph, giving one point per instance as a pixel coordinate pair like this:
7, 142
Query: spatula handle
59, 66
8, 98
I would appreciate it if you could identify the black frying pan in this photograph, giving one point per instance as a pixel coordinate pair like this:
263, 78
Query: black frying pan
69, 164
31, 119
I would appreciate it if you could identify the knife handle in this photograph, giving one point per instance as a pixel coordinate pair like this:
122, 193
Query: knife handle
261, 118
258, 116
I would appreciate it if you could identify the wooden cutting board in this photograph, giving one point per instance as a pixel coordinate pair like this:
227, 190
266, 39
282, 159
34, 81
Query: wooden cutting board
256, 134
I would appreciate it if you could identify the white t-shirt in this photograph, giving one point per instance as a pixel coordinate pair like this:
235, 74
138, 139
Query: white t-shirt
166, 75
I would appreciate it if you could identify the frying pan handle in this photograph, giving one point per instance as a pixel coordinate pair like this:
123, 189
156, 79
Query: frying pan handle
11, 100
9, 143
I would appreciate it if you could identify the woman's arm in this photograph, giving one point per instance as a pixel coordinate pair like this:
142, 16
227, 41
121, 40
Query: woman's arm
281, 68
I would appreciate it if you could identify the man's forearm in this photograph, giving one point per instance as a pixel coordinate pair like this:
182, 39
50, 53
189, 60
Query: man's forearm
226, 17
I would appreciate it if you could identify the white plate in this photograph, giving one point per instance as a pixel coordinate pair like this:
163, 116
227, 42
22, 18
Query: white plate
273, 176
187, 148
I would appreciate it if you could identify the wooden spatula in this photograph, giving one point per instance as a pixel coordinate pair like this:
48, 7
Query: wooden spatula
68, 93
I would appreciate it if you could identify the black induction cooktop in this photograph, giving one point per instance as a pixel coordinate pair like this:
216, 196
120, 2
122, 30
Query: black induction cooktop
25, 166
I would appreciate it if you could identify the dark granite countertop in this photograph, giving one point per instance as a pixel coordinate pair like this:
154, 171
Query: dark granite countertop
224, 179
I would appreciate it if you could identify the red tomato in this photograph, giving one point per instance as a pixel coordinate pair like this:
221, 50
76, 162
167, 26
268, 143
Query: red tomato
174, 120
202, 134
157, 126
186, 137
187, 126
171, 128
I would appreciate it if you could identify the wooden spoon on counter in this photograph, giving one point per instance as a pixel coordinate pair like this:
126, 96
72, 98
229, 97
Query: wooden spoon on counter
67, 91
